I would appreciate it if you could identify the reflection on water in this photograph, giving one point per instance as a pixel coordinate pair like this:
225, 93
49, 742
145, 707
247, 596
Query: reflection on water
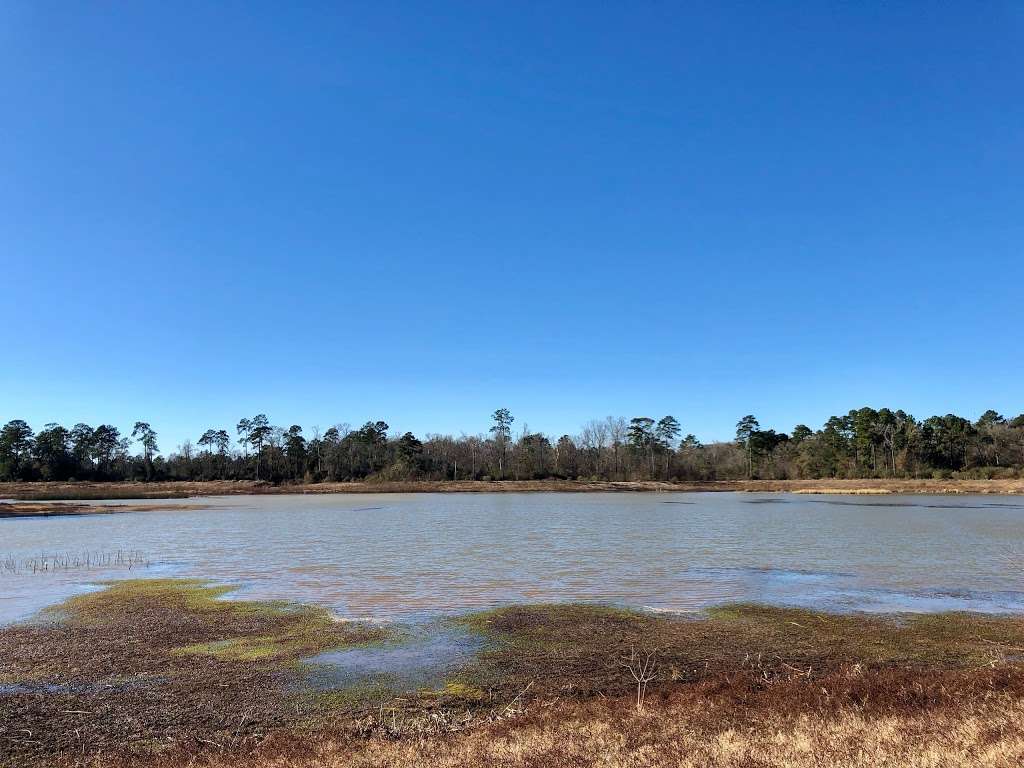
914, 503
78, 687
422, 657
415, 556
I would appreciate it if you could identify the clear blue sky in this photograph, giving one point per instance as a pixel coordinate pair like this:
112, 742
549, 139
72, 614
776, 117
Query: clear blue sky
420, 212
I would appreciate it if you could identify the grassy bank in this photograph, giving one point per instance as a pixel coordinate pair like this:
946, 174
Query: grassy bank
682, 734
160, 672
47, 491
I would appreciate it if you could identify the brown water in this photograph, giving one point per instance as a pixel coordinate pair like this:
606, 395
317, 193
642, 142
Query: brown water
412, 556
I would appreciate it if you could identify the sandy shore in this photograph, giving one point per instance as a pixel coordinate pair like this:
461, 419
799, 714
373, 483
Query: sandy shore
44, 491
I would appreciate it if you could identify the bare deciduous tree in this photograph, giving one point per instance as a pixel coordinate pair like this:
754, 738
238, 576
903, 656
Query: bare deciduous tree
643, 667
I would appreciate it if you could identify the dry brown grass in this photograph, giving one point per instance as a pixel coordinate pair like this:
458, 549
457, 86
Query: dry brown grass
158, 490
676, 733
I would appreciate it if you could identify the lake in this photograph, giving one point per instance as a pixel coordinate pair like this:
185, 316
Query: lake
409, 557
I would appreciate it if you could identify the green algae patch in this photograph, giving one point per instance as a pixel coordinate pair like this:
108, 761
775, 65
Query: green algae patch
191, 595
293, 644
461, 691
176, 610
237, 649
241, 630
386, 691
367, 693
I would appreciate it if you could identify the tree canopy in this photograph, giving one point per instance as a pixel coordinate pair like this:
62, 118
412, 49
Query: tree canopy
864, 442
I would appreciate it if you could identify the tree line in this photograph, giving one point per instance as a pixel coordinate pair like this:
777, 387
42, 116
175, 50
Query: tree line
861, 444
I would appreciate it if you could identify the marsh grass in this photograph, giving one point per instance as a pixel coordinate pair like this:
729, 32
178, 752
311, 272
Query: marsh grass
169, 672
575, 651
130, 671
44, 563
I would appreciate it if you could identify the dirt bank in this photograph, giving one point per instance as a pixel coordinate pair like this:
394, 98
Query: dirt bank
169, 490
64, 509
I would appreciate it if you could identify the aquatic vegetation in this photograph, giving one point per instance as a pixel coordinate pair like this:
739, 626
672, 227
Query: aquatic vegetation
577, 650
68, 561
155, 662
237, 649
414, 658
463, 691
166, 671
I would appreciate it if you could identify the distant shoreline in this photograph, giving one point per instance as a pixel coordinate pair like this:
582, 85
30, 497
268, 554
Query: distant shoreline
84, 491
77, 509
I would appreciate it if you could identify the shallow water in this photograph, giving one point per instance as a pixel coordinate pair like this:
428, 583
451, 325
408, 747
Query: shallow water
410, 557
422, 656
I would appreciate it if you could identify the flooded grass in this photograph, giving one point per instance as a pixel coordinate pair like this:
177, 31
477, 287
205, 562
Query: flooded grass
417, 658
168, 671
73, 561
147, 664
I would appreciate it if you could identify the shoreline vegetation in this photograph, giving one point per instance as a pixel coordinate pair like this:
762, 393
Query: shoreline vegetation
140, 490
174, 673
864, 443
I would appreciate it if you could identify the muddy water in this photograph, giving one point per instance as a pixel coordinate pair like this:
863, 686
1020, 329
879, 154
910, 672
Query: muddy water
410, 557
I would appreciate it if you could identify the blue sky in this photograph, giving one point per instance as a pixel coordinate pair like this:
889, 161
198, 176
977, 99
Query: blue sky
422, 212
